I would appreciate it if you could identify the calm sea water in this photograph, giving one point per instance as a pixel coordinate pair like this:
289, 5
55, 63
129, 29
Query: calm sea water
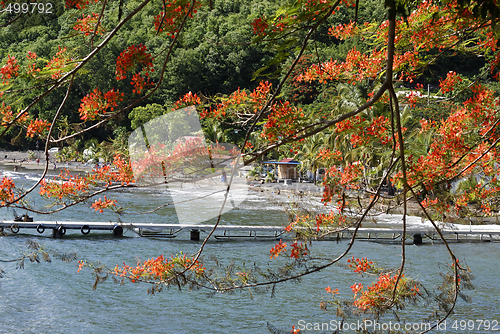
54, 298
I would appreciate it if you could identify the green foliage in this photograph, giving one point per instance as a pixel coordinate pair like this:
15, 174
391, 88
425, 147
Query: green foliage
214, 53
141, 115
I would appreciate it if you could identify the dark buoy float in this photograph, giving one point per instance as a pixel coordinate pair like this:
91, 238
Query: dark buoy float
14, 228
117, 231
40, 228
59, 232
85, 229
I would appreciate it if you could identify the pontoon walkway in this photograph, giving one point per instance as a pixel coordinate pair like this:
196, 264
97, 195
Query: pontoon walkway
418, 235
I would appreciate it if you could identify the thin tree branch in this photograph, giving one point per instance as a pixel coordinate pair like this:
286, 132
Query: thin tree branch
91, 42
54, 120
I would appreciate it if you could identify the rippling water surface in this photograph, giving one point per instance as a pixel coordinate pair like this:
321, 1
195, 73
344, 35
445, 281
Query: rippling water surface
54, 298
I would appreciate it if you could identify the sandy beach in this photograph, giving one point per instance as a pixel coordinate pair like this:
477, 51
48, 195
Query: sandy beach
18, 160
12, 156
35, 160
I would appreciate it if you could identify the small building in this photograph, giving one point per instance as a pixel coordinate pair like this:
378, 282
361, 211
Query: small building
287, 168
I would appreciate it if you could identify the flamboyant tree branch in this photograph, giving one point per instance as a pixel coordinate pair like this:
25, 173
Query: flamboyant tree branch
46, 149
142, 98
386, 85
77, 68
268, 103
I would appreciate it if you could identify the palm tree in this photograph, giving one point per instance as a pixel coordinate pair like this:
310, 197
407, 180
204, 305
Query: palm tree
308, 154
106, 151
350, 97
214, 133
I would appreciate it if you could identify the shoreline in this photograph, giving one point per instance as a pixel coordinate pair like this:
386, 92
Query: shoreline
384, 207
22, 161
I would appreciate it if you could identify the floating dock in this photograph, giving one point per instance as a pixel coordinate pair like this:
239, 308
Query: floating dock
416, 235
59, 228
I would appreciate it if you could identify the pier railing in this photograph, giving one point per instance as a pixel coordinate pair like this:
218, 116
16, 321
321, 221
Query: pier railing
416, 235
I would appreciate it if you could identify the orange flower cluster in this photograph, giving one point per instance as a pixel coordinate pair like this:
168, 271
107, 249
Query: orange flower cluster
329, 220
6, 114
123, 171
260, 94
277, 249
344, 31
366, 130
347, 124
7, 190
9, 70
327, 155
299, 220
64, 186
139, 83
240, 101
455, 145
281, 121
451, 81
32, 63
58, 62
119, 172
479, 193
81, 264
188, 99
244, 105
173, 14
100, 205
298, 250
356, 288
336, 181
36, 127
160, 269
96, 103
87, 24
378, 295
329, 290
376, 129
76, 187
129, 60
359, 265
426, 28
426, 125
355, 68
260, 25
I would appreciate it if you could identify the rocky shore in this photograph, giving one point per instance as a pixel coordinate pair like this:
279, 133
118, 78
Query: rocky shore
387, 205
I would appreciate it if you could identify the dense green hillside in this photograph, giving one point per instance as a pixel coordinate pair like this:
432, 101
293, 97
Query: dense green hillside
217, 53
